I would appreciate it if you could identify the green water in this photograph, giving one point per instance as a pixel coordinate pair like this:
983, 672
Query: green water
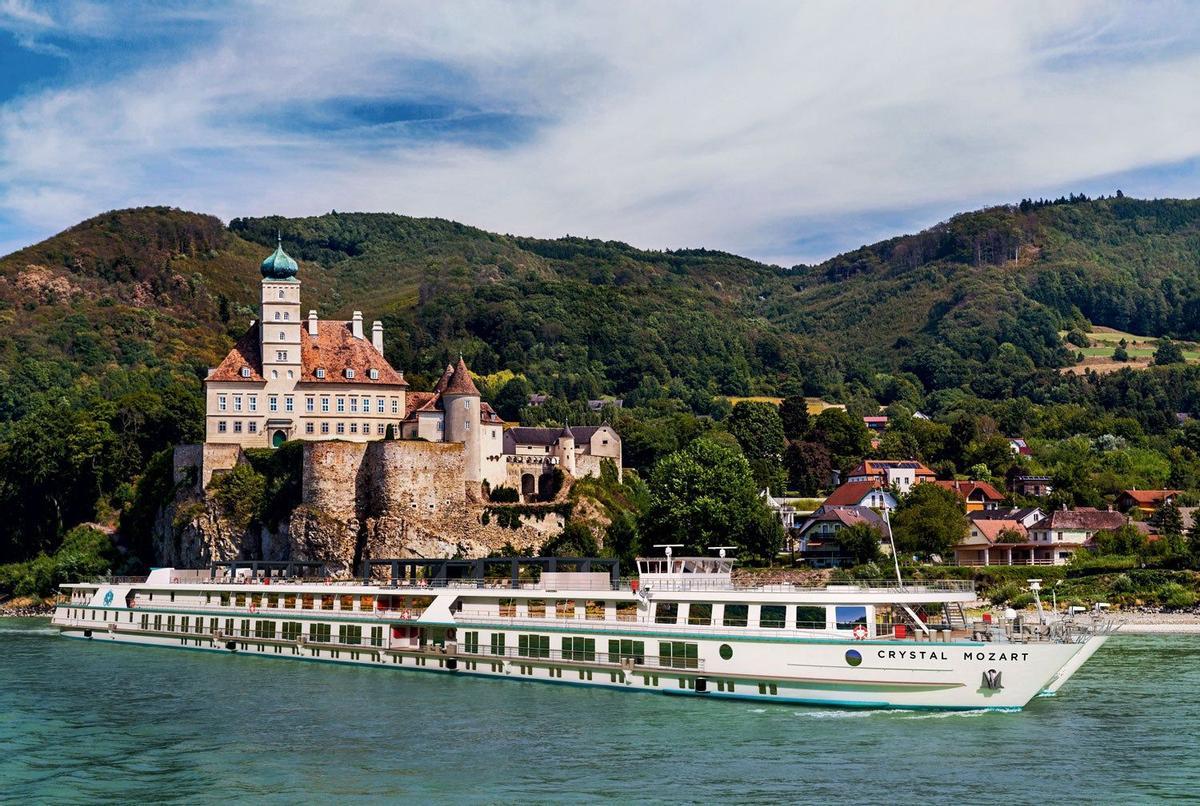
85, 721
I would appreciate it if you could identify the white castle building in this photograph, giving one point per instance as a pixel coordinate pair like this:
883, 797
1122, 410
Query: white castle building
290, 377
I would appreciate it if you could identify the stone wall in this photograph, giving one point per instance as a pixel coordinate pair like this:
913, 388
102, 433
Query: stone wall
198, 463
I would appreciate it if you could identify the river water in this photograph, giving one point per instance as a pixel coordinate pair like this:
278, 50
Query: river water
84, 721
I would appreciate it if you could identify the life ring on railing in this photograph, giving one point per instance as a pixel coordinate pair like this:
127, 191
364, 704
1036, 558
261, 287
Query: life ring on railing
174, 580
406, 614
328, 580
860, 632
253, 607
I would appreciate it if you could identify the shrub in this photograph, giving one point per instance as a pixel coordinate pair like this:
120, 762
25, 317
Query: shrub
1176, 596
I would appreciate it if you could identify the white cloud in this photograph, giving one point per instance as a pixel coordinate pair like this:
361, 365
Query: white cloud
666, 124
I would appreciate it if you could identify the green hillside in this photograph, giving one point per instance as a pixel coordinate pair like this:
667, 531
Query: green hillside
108, 327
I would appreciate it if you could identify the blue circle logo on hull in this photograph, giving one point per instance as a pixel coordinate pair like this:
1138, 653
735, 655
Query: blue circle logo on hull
853, 657
108, 597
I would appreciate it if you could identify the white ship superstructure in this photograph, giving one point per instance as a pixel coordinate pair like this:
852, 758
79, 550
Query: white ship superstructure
684, 626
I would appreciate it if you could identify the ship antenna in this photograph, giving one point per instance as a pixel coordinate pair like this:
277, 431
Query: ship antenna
892, 540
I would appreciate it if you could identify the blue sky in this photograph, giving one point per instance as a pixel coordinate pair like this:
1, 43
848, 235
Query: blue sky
786, 131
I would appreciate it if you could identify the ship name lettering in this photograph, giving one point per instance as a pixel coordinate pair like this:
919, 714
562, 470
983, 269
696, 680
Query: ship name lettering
911, 654
996, 656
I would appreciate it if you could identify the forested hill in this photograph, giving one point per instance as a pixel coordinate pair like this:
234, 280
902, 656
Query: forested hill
109, 325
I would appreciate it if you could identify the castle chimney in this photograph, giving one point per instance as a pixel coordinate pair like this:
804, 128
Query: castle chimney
312, 324
377, 336
356, 325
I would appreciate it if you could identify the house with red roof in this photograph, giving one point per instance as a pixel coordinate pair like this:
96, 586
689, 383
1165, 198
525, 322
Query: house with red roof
817, 542
862, 494
976, 495
1050, 541
1144, 501
899, 473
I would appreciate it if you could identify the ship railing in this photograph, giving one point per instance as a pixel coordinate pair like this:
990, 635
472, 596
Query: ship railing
643, 625
517, 655
857, 585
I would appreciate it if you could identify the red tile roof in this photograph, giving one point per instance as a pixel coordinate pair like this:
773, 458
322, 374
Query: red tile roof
1083, 518
851, 493
992, 529
460, 382
966, 489
879, 467
334, 350
1149, 496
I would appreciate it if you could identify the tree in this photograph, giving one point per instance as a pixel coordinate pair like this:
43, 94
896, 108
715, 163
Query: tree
704, 495
1120, 353
860, 542
929, 520
809, 466
846, 438
513, 397
1168, 519
1124, 540
575, 540
1193, 539
1167, 352
793, 411
758, 429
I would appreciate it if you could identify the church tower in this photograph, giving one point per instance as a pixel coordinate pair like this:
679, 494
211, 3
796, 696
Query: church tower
462, 407
279, 331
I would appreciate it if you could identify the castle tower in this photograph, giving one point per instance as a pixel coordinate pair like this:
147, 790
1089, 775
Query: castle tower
279, 328
461, 402
564, 449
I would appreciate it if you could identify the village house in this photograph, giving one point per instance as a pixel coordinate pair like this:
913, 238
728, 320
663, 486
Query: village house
817, 543
1051, 541
1026, 516
1037, 486
1019, 446
1144, 501
788, 515
982, 544
975, 495
899, 473
862, 494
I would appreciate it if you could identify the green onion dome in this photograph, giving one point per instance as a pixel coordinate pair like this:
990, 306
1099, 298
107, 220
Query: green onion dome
279, 266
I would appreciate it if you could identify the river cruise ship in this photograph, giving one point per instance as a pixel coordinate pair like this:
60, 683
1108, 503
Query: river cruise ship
685, 626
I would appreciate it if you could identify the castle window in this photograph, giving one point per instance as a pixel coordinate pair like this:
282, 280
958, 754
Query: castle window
366, 428
374, 374
395, 406
290, 375
325, 405
441, 425
237, 402
354, 404
281, 355
274, 374
287, 316
237, 426
272, 403
253, 402
221, 427
245, 372
349, 372
309, 403
252, 427
320, 374
353, 428
324, 428
379, 405
289, 403
341, 404
341, 428
380, 429
220, 402
281, 293
308, 428
282, 336
277, 315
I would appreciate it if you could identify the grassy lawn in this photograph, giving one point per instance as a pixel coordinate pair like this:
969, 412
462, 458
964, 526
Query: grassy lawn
1140, 349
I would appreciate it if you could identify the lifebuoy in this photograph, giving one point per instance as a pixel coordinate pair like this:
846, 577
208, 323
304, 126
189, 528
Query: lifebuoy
175, 580
860, 632
253, 607
327, 580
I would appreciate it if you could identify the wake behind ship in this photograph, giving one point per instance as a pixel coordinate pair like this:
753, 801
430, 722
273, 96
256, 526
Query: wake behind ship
684, 626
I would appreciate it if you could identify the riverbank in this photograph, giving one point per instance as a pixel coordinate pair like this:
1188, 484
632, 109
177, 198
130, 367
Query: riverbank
25, 607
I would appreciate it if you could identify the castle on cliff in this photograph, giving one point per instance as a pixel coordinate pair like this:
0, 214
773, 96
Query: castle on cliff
289, 378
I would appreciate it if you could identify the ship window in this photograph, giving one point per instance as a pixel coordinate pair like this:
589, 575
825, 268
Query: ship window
627, 611
700, 613
347, 602
666, 612
726, 652
264, 629
240, 600
533, 646
366, 603
508, 608
377, 636
564, 609
306, 601
497, 643
289, 601
327, 601
291, 630
594, 609
737, 615
349, 634
579, 649
537, 608
850, 616
319, 633
678, 655
772, 616
625, 648
810, 617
